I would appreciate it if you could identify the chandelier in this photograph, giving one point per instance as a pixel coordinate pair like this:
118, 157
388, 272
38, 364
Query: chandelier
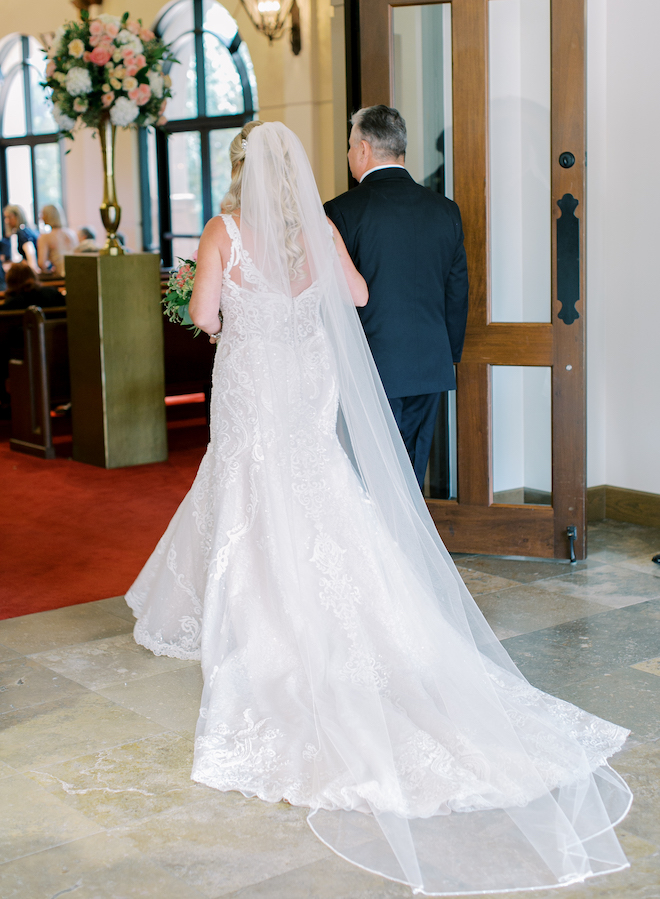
269, 17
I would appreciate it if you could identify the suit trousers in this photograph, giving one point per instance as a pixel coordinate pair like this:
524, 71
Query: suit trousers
415, 417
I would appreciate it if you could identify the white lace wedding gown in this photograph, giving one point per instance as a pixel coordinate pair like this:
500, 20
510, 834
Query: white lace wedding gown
332, 679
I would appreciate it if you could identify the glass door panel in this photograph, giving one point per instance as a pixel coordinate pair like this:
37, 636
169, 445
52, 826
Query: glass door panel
185, 163
519, 140
47, 166
422, 88
220, 165
522, 434
19, 180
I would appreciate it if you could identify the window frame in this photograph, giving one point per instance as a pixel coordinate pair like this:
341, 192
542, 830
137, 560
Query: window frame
28, 139
201, 124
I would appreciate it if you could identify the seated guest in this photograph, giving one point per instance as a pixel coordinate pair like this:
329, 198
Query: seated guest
55, 244
26, 237
24, 290
87, 241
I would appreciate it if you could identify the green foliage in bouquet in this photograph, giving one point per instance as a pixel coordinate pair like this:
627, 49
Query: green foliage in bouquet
107, 66
179, 291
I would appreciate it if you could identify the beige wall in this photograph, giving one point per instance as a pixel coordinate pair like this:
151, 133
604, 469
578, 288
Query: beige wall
296, 90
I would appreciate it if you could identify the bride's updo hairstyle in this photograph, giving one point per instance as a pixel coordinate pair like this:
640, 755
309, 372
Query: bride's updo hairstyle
237, 149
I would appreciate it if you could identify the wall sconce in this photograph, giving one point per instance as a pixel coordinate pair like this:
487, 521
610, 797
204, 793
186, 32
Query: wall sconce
269, 17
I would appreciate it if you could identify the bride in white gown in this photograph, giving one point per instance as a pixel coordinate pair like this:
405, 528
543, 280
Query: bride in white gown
346, 667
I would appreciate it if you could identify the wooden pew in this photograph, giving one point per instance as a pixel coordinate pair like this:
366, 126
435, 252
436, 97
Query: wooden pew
38, 380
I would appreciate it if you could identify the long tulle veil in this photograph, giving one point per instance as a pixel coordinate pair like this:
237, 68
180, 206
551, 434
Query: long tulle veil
550, 824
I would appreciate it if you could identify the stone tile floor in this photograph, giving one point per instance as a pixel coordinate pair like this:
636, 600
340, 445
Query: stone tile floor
96, 736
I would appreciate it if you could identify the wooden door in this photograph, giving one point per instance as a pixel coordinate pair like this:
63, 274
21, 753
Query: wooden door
473, 522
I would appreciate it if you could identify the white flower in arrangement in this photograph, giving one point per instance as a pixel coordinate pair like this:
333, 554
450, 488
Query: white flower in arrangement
65, 122
128, 39
54, 48
123, 112
78, 81
156, 83
109, 20
130, 83
59, 76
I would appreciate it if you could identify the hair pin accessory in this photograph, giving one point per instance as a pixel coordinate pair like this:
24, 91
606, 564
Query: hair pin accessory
244, 143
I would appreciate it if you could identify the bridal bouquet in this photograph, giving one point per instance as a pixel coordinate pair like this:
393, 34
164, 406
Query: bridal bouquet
107, 66
179, 291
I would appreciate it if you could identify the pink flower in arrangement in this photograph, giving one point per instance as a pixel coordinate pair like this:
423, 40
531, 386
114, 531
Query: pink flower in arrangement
95, 27
111, 30
108, 99
100, 56
134, 27
140, 94
132, 70
139, 61
95, 39
127, 53
193, 256
87, 56
50, 68
146, 35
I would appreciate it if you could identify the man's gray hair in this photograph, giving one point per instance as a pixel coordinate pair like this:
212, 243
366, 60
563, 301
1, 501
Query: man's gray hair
384, 129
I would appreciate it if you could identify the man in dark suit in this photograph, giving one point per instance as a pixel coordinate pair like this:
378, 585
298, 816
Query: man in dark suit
407, 243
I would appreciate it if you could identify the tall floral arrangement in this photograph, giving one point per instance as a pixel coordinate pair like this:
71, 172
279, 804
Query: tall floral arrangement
107, 66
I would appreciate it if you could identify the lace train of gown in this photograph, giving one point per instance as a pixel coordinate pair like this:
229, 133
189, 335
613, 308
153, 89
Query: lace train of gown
330, 679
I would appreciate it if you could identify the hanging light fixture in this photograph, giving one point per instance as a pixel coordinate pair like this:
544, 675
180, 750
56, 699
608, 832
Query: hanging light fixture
269, 17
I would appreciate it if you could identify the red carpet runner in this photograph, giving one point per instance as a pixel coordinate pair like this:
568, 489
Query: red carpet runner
72, 533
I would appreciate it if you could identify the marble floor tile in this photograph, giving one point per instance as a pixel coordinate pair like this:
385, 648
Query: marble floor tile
479, 582
60, 627
642, 563
588, 647
522, 609
6, 653
95, 867
611, 585
71, 726
33, 819
626, 696
651, 666
6, 771
330, 878
116, 605
124, 784
623, 538
171, 699
227, 842
523, 571
107, 663
640, 768
24, 683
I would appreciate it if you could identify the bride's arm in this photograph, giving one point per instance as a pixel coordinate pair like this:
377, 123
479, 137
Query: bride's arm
204, 306
356, 283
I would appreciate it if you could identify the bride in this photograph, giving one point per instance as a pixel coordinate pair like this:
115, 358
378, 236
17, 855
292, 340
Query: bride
346, 667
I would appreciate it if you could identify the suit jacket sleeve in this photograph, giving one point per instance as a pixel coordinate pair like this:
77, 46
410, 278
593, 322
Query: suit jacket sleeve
335, 216
456, 298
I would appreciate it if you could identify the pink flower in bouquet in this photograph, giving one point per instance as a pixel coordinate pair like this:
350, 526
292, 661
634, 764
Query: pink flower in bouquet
95, 39
139, 61
193, 256
127, 53
132, 69
111, 30
140, 94
146, 35
95, 27
50, 68
108, 99
100, 56
161, 120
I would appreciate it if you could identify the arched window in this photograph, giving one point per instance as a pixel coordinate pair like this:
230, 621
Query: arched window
30, 149
185, 170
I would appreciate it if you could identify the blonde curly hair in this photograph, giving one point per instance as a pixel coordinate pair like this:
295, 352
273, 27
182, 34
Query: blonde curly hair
292, 225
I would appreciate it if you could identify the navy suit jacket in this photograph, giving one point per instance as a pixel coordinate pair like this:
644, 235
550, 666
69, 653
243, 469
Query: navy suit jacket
407, 243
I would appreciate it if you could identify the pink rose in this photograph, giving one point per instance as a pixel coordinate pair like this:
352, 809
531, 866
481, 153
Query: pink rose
139, 61
193, 256
134, 27
108, 99
86, 56
111, 30
146, 35
127, 53
132, 70
50, 68
95, 39
140, 94
95, 27
100, 56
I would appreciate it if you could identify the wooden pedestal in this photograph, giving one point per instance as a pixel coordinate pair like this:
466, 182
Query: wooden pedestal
116, 359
